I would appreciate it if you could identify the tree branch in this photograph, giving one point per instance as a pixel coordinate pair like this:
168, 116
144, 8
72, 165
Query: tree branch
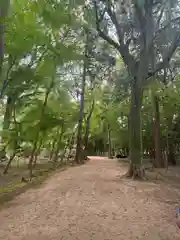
160, 30
121, 47
175, 20
101, 33
160, 15
167, 56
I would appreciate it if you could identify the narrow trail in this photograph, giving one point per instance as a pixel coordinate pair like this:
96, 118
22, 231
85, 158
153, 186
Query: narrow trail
92, 202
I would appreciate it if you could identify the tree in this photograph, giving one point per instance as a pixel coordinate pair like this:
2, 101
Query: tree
78, 156
29, 68
146, 40
4, 7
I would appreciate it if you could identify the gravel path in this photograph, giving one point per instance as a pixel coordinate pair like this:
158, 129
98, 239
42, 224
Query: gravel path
92, 202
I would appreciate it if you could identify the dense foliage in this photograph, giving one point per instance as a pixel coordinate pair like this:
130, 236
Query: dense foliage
68, 84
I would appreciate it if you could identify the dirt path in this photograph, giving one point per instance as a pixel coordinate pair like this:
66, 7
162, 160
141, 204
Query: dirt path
91, 202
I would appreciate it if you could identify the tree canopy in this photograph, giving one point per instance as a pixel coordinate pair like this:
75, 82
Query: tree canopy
94, 76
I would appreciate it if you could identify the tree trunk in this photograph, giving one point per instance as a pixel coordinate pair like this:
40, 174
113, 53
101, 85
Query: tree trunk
152, 153
8, 113
109, 142
1, 47
135, 141
71, 143
159, 162
81, 111
171, 158
64, 153
16, 142
171, 151
86, 136
52, 149
55, 158
4, 7
30, 164
9, 163
6, 123
31, 159
38, 151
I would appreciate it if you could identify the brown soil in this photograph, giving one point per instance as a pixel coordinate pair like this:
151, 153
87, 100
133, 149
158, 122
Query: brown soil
93, 202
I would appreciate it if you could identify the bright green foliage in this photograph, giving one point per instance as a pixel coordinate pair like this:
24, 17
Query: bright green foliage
44, 52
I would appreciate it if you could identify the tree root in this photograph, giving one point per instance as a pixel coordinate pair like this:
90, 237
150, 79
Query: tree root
136, 172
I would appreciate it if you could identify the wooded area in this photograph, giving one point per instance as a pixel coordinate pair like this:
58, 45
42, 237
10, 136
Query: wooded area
90, 77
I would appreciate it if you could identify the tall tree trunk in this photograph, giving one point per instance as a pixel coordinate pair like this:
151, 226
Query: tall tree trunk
9, 162
64, 152
171, 152
15, 141
4, 7
8, 113
135, 141
8, 109
70, 145
52, 149
31, 159
6, 124
61, 132
171, 158
86, 136
81, 110
38, 150
109, 142
159, 162
1, 47
30, 164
